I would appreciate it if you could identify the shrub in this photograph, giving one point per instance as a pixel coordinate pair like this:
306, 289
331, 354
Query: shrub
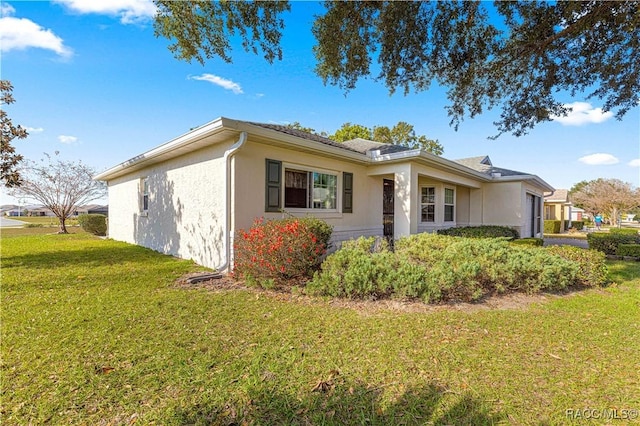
280, 249
437, 267
531, 242
552, 226
485, 231
95, 224
632, 250
592, 270
34, 225
359, 270
575, 224
608, 242
623, 231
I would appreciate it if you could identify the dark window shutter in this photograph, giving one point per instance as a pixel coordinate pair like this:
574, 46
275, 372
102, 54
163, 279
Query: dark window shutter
273, 187
347, 192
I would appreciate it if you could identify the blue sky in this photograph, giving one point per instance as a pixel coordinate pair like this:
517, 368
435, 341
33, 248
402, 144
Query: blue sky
93, 82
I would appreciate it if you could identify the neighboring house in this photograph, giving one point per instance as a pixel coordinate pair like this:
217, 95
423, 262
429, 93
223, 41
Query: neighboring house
558, 207
190, 195
578, 214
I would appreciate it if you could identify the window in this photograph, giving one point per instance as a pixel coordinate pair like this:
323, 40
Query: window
310, 190
449, 205
144, 194
428, 204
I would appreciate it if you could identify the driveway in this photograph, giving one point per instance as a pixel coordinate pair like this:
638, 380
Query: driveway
10, 223
577, 242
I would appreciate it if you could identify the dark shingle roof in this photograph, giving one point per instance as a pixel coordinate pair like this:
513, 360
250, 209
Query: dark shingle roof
301, 134
365, 146
483, 164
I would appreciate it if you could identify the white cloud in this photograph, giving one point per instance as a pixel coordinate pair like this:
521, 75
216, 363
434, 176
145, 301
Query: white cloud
6, 9
129, 11
582, 113
635, 162
21, 33
68, 140
219, 81
599, 159
34, 129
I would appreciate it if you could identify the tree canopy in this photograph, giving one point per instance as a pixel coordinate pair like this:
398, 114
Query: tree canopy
61, 186
400, 134
9, 160
610, 197
523, 57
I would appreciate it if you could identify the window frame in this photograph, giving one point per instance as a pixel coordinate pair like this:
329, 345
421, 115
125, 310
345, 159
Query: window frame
452, 205
310, 186
144, 195
423, 204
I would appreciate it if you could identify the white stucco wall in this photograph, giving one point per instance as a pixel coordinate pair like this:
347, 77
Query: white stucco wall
186, 213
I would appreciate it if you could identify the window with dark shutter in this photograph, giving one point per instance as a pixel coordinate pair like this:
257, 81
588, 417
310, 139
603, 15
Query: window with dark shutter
347, 192
273, 191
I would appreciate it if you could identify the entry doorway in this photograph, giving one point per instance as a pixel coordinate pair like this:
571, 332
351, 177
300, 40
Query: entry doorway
388, 195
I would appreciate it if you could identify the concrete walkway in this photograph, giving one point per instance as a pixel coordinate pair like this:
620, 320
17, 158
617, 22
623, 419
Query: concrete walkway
577, 242
10, 223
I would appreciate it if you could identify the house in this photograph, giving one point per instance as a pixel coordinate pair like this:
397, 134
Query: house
190, 195
558, 207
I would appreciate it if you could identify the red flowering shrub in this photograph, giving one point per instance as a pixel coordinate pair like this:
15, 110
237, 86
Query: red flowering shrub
280, 249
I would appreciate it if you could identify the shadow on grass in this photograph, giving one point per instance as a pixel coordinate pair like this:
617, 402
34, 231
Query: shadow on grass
92, 255
346, 404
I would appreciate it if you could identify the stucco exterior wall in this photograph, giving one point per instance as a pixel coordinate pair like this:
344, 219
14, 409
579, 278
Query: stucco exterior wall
502, 204
249, 195
186, 214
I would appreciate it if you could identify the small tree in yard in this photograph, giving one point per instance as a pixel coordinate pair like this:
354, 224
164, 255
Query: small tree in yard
610, 197
61, 186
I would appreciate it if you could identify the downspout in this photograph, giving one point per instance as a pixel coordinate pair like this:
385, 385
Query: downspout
228, 155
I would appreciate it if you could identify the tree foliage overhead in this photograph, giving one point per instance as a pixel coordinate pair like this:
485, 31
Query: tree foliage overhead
610, 197
61, 186
517, 61
10, 161
203, 29
401, 134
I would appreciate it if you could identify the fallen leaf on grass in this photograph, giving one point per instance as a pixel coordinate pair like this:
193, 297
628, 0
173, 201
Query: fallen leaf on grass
105, 369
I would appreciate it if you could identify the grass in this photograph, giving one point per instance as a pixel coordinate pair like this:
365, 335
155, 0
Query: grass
95, 332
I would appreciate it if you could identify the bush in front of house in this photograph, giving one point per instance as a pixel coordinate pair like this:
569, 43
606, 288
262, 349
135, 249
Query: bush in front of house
608, 242
440, 268
362, 269
282, 249
631, 250
552, 226
531, 242
578, 225
95, 224
484, 231
623, 231
592, 269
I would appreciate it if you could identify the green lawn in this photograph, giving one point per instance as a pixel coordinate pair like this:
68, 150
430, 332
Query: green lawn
95, 332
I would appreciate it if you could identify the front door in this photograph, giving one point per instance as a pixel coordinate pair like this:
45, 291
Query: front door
388, 195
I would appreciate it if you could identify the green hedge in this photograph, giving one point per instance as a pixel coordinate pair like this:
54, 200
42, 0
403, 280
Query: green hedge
437, 268
93, 223
533, 242
485, 231
608, 242
576, 224
592, 269
552, 226
632, 250
623, 231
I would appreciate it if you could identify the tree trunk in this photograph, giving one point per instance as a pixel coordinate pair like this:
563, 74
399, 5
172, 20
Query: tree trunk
62, 229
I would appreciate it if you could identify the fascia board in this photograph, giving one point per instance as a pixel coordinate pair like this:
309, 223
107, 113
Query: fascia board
432, 160
182, 143
291, 141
